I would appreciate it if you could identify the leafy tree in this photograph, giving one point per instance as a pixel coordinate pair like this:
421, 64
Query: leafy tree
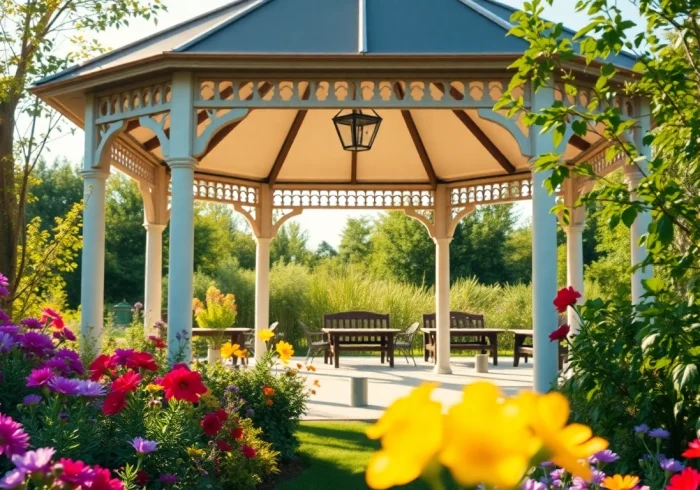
32, 31
291, 245
355, 244
519, 255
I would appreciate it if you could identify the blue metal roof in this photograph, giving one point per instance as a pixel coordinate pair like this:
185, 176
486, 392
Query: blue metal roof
308, 27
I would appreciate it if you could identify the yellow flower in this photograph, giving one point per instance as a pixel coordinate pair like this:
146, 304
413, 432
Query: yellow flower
266, 334
568, 446
411, 433
209, 400
285, 350
487, 439
195, 452
153, 388
311, 369
619, 482
228, 350
197, 305
241, 353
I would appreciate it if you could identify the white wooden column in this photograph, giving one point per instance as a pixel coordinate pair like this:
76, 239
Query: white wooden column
92, 284
181, 263
544, 260
263, 237
574, 249
442, 239
153, 290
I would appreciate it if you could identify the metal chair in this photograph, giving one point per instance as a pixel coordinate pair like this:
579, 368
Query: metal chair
317, 343
250, 338
403, 342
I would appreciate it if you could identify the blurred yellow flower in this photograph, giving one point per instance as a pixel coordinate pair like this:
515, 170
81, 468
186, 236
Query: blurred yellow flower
568, 446
197, 305
487, 439
265, 335
153, 388
228, 350
209, 400
619, 482
285, 350
411, 433
195, 452
241, 353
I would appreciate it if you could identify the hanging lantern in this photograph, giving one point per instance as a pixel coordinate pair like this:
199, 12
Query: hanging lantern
356, 129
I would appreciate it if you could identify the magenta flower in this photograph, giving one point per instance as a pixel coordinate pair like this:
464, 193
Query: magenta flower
4, 281
31, 400
32, 324
103, 480
4, 319
33, 461
64, 386
36, 343
531, 484
659, 433
144, 446
168, 479
56, 365
12, 479
74, 472
90, 388
39, 377
13, 439
122, 356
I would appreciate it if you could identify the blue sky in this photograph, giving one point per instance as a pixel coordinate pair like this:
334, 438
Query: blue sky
321, 225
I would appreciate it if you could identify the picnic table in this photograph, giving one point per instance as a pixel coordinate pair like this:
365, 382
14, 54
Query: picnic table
359, 331
521, 348
467, 332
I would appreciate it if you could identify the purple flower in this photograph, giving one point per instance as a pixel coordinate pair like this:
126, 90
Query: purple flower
64, 386
578, 484
159, 324
4, 319
90, 388
144, 446
4, 281
138, 305
56, 365
249, 413
13, 439
4, 291
641, 429
669, 464
39, 377
36, 343
598, 477
606, 456
7, 341
12, 479
168, 479
32, 324
72, 359
557, 476
63, 416
546, 464
34, 460
232, 389
31, 400
121, 356
12, 330
531, 484
659, 433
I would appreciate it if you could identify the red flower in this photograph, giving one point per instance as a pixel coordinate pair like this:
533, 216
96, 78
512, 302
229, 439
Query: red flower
221, 415
180, 365
688, 479
158, 343
237, 434
211, 424
142, 360
53, 318
142, 478
248, 451
103, 480
129, 381
114, 403
268, 391
183, 384
693, 450
223, 446
560, 333
566, 297
102, 365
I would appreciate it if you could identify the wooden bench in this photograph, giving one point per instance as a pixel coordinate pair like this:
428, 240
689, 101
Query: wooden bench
355, 322
467, 332
523, 347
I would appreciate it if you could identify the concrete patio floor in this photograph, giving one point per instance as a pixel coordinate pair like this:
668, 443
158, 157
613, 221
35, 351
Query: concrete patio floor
385, 385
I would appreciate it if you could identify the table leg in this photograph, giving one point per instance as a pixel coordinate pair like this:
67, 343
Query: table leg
494, 346
390, 348
433, 341
382, 348
336, 350
426, 345
516, 349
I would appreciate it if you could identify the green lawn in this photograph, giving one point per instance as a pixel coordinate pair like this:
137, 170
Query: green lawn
335, 455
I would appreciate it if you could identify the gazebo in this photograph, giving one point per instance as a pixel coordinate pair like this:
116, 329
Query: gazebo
277, 106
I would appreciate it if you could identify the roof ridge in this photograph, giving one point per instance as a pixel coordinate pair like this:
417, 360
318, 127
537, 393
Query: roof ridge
143, 40
256, 4
484, 12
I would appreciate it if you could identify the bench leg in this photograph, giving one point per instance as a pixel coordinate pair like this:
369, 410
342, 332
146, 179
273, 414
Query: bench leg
494, 349
336, 351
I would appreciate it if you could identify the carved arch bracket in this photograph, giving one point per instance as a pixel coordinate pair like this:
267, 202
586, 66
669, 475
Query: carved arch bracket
282, 219
511, 126
106, 133
158, 128
217, 120
424, 216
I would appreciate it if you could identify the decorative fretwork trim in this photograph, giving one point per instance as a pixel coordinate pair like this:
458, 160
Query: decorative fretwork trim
491, 191
216, 93
352, 198
131, 163
221, 190
134, 103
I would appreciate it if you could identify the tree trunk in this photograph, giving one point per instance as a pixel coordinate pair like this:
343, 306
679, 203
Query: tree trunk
8, 198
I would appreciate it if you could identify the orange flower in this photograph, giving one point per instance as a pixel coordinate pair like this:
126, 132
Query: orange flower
292, 372
311, 368
313, 392
268, 402
269, 391
299, 366
619, 482
317, 383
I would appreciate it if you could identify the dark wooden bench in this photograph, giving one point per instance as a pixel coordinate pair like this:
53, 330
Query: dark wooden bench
467, 332
357, 321
523, 348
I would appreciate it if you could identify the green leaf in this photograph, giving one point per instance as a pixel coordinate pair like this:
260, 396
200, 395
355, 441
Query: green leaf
664, 229
684, 374
628, 216
580, 127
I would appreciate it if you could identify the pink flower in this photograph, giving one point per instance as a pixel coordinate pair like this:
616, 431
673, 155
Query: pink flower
39, 377
13, 439
103, 480
143, 446
52, 318
75, 472
33, 461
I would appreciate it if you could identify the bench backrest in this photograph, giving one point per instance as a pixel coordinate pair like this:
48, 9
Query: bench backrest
356, 319
458, 319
